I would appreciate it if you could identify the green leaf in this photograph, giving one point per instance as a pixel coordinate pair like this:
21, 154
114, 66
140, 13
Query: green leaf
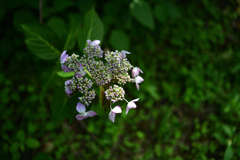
152, 90
92, 29
21, 135
84, 5
31, 127
74, 24
71, 106
41, 41
161, 13
42, 156
141, 11
23, 17
227, 130
228, 153
65, 74
119, 40
33, 143
58, 102
58, 26
140, 135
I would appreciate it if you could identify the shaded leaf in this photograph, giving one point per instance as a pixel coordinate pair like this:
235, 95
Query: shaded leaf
21, 135
41, 41
160, 13
74, 24
58, 6
141, 11
227, 130
58, 26
92, 29
119, 40
58, 102
71, 106
33, 143
23, 17
42, 156
228, 153
84, 5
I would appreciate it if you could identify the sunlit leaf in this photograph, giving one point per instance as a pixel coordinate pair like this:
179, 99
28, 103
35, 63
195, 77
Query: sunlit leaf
65, 74
41, 41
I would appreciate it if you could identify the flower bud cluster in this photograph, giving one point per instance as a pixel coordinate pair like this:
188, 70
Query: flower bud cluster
119, 68
112, 69
93, 51
99, 72
72, 62
115, 93
82, 85
88, 96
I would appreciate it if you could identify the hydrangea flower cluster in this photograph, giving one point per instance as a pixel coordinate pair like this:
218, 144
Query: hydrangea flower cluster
109, 72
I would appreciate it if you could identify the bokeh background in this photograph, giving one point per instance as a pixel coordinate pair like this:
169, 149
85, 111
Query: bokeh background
189, 107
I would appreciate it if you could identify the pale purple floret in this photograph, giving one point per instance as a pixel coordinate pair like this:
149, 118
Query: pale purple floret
113, 112
80, 73
135, 71
93, 43
137, 80
67, 88
123, 55
65, 68
63, 59
131, 104
83, 114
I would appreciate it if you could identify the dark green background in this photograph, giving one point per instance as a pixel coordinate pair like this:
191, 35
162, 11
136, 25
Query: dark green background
189, 105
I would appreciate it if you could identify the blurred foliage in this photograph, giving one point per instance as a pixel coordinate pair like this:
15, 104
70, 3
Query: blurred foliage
189, 105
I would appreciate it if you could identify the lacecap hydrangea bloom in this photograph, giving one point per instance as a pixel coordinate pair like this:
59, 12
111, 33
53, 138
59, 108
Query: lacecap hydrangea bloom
109, 70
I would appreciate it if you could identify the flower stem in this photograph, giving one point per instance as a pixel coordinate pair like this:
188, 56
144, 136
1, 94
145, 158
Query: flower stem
125, 100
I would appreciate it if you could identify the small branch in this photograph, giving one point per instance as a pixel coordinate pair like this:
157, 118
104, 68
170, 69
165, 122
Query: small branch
40, 12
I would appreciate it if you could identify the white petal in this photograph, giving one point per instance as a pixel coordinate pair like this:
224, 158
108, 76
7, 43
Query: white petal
139, 79
117, 109
124, 52
111, 116
64, 56
131, 105
96, 42
137, 86
135, 71
81, 108
135, 100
